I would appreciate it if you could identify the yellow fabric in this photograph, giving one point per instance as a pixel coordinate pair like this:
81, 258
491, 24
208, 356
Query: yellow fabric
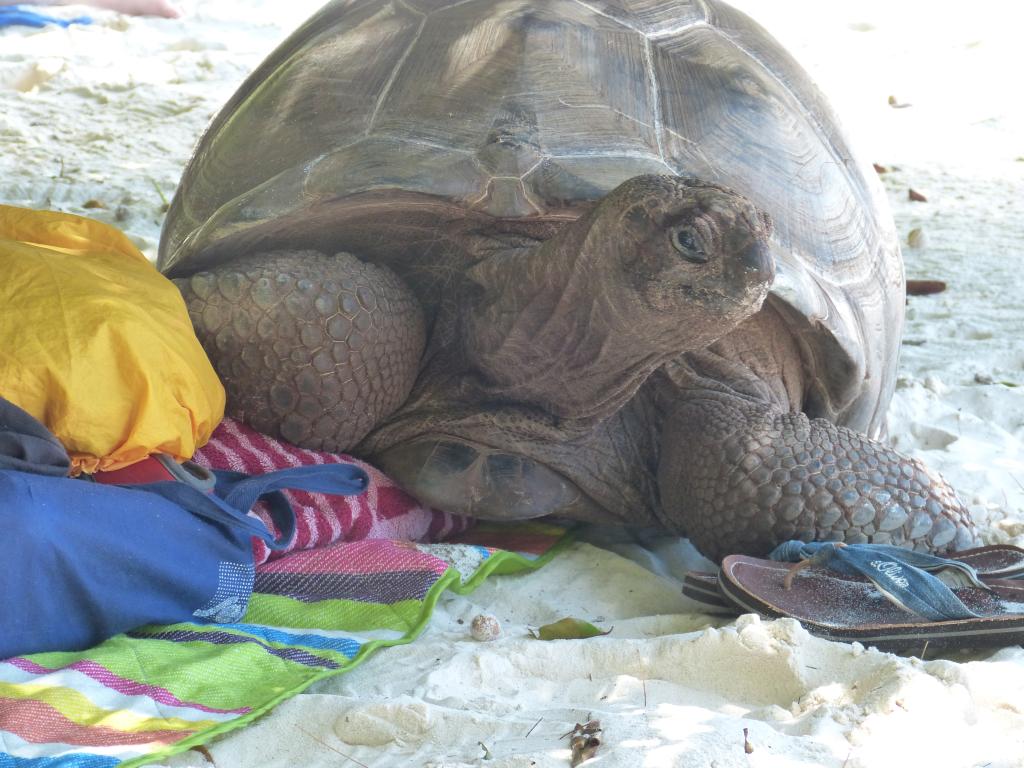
98, 345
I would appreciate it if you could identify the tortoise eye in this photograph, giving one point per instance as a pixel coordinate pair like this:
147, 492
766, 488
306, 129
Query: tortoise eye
685, 240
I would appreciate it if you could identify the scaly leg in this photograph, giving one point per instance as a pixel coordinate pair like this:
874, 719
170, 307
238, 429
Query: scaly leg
739, 476
313, 349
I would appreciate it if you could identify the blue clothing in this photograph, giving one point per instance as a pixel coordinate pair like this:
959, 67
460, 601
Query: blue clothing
17, 15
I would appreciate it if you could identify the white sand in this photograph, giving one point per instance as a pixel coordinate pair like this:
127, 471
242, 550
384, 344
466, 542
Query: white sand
110, 112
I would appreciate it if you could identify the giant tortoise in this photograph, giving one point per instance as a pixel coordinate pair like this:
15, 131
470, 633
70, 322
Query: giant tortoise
612, 260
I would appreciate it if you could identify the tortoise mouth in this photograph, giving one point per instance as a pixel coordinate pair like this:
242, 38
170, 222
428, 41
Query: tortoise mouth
746, 278
744, 299
730, 282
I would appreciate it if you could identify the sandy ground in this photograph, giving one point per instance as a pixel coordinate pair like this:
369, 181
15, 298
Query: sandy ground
107, 115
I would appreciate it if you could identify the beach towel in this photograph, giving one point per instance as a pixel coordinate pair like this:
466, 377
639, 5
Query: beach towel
385, 511
316, 613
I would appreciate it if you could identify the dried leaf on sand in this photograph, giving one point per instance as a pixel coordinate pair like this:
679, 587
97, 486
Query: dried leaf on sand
568, 629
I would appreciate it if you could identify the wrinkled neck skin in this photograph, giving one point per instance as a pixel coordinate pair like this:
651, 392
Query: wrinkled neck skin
562, 327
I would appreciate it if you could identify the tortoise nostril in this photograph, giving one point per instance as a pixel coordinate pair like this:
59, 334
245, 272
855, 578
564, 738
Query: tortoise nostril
756, 262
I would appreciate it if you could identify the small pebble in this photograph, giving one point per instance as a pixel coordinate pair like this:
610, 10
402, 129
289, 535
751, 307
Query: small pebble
485, 628
916, 238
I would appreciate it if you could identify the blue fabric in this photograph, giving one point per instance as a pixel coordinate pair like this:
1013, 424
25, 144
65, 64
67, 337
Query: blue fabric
903, 576
85, 561
16, 15
60, 761
26, 445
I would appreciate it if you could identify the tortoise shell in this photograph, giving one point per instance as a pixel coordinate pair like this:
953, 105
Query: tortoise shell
519, 110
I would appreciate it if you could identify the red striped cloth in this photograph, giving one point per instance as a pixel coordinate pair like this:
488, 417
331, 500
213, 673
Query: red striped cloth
385, 511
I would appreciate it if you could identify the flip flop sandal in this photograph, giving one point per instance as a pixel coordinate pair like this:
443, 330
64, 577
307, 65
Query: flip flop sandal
878, 595
703, 587
999, 561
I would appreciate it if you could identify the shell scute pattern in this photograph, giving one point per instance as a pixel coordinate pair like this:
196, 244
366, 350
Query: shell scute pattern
522, 87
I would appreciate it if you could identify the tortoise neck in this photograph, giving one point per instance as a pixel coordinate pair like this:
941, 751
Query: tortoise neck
759, 361
546, 327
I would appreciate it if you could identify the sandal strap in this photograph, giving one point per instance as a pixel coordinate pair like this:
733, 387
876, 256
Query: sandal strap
917, 582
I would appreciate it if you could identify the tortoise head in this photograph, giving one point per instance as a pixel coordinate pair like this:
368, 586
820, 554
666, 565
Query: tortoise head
693, 256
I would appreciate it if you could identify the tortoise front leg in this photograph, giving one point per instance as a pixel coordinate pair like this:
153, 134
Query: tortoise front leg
313, 349
738, 476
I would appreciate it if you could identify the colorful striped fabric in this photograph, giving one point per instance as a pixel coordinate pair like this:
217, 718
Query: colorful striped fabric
140, 697
385, 511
